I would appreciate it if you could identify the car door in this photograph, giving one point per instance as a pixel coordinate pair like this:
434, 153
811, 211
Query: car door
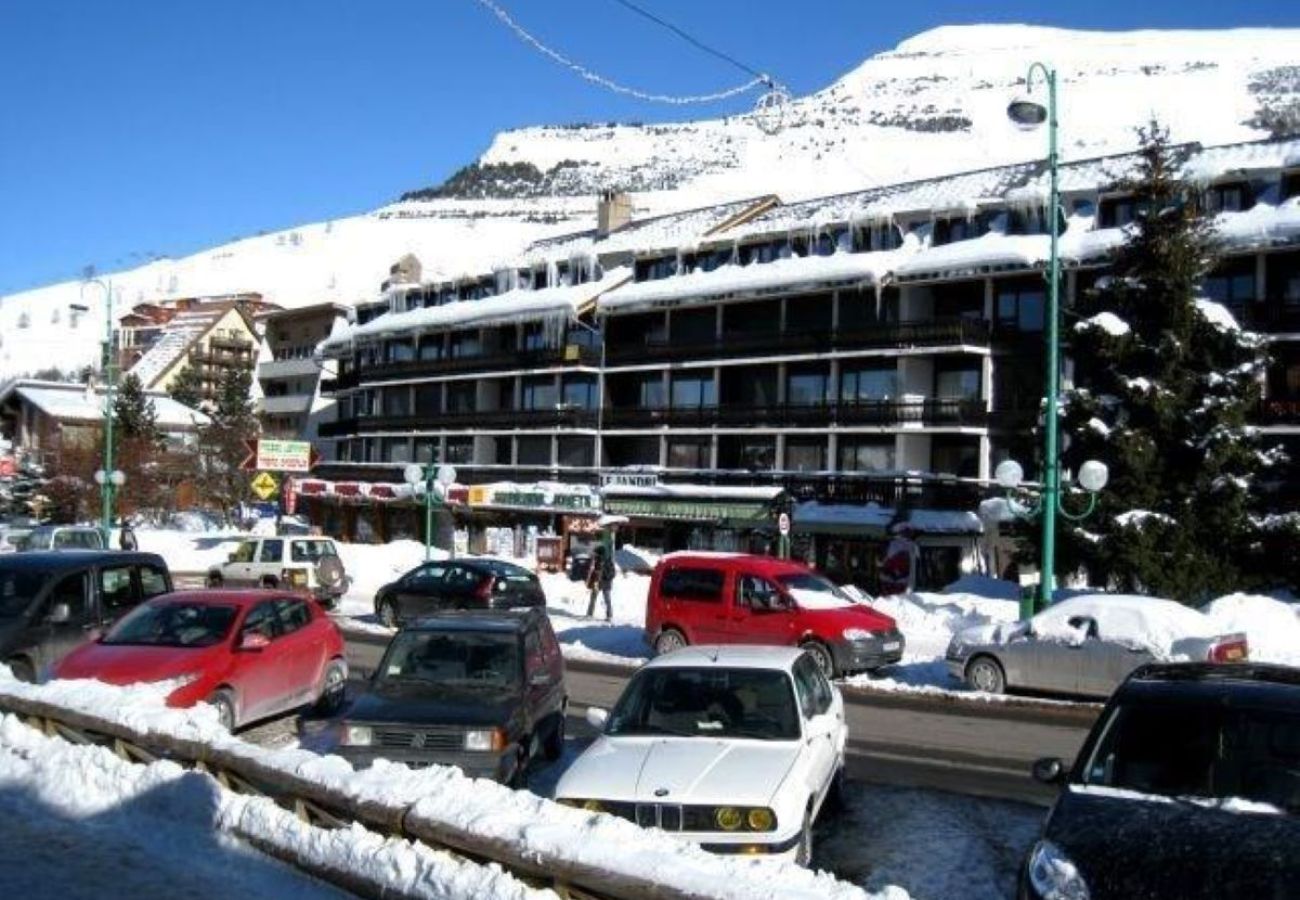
821, 730
153, 580
258, 676
270, 562
538, 683
1048, 664
238, 571
697, 599
303, 651
761, 614
1109, 656
118, 594
56, 639
422, 591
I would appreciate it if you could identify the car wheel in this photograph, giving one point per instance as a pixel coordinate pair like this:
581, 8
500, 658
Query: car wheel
803, 855
985, 674
669, 639
519, 777
821, 655
333, 688
215, 580
224, 701
22, 669
553, 749
388, 614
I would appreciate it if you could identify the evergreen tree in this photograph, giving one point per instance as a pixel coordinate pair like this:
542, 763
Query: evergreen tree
187, 388
222, 443
1165, 380
133, 409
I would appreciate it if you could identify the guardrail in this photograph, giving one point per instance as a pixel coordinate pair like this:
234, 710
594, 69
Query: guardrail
538, 863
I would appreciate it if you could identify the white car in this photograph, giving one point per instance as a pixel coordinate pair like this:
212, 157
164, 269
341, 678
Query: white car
309, 564
735, 748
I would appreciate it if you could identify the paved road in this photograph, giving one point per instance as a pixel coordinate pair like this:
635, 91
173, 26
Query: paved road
916, 741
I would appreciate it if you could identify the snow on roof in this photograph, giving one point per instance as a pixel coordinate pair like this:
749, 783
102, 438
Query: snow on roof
71, 403
989, 251
795, 273
692, 490
165, 352
1208, 163
1164, 628
1263, 225
518, 305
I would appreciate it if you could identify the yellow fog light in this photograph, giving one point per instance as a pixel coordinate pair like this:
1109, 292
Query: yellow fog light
593, 806
728, 818
761, 820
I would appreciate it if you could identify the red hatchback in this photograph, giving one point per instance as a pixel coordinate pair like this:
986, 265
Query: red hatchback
726, 598
251, 654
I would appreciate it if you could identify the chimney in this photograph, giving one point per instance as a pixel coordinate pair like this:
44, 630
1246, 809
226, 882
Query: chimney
613, 211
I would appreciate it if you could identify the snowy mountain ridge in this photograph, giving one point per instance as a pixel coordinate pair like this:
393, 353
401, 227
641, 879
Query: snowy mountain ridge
933, 105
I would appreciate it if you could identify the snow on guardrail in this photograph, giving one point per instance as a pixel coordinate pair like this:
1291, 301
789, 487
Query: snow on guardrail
527, 835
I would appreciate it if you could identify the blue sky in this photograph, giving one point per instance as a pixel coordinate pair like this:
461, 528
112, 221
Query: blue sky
164, 126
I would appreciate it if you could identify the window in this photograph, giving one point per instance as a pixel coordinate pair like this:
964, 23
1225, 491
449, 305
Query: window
1232, 197
432, 348
1116, 212
1020, 304
272, 552
538, 393
753, 592
865, 383
959, 300
696, 584
244, 552
947, 231
1290, 185
536, 337
397, 401
428, 399
694, 326
263, 620
640, 330
70, 592
1283, 277
805, 454
807, 385
656, 268
710, 260
534, 450
397, 450
115, 589
690, 453
808, 314
580, 391
465, 343
311, 551
754, 454
766, 252
460, 450
761, 317
399, 351
462, 396
294, 614
749, 387
957, 381
955, 456
632, 451
691, 390
1232, 283
579, 452
866, 455
867, 309
152, 582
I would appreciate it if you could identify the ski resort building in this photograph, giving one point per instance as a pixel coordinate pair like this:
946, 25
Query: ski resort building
859, 362
291, 406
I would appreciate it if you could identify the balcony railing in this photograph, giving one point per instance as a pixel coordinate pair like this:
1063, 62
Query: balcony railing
479, 362
931, 333
882, 412
1279, 411
518, 418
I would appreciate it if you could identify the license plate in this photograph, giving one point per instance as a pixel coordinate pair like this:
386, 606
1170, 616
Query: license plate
892, 645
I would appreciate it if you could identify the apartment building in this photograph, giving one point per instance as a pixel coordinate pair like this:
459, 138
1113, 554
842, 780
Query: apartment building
291, 407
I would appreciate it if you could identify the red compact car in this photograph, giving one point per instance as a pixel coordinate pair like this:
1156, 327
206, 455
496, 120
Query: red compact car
731, 598
251, 654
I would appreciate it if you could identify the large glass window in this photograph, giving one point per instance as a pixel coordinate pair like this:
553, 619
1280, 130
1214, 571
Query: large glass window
693, 390
580, 391
431, 347
428, 399
689, 453
805, 454
955, 456
867, 382
750, 387
808, 314
465, 343
808, 385
751, 453
1232, 197
957, 380
579, 452
400, 351
694, 326
397, 401
632, 451
865, 309
460, 450
1232, 283
462, 396
397, 450
1283, 278
538, 393
866, 454
1020, 304
534, 450
761, 317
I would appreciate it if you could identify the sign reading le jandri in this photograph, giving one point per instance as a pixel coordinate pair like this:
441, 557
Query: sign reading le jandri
283, 456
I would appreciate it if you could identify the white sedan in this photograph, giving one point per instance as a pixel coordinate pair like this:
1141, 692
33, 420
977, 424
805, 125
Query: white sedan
735, 748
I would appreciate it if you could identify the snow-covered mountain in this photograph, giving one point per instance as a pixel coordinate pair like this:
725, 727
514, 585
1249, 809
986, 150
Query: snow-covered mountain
935, 104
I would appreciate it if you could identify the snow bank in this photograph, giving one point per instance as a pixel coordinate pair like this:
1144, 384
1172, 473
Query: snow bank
189, 551
1272, 628
1107, 322
102, 804
1167, 630
446, 798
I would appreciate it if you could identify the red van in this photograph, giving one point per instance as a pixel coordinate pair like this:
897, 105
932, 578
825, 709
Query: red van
731, 598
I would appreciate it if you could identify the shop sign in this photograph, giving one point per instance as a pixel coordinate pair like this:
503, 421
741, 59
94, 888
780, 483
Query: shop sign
458, 493
531, 498
383, 492
629, 479
315, 488
688, 510
349, 489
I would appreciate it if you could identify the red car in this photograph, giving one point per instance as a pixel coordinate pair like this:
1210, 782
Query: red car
731, 598
251, 654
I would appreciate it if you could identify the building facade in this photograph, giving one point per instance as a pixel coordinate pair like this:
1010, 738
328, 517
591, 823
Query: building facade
291, 407
859, 362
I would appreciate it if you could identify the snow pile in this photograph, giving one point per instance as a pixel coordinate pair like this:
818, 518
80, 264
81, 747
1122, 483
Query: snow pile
371, 566
1272, 628
1217, 315
621, 641
188, 551
192, 833
1169, 631
1107, 322
445, 797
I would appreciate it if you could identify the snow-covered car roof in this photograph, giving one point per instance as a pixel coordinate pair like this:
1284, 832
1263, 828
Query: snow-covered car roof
1149, 623
728, 657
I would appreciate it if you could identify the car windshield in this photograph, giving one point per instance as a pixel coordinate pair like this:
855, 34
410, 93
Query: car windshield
453, 660
173, 625
1200, 751
311, 551
18, 587
709, 703
813, 591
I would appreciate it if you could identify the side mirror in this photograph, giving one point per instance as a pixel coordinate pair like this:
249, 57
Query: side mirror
60, 614
254, 642
597, 717
1049, 770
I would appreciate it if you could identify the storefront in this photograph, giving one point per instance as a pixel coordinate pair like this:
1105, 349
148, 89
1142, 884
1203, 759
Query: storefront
507, 519
668, 517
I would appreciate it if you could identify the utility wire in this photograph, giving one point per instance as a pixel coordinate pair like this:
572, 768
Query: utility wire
614, 86
640, 11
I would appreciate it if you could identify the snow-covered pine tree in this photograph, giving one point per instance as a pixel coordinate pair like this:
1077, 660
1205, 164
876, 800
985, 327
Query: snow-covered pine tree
221, 445
134, 412
1164, 381
187, 388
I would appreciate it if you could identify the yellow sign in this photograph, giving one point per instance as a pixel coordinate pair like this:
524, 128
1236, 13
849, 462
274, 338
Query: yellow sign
265, 486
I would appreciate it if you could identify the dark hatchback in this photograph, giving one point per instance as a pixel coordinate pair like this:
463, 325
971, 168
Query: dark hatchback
53, 601
1187, 787
475, 584
482, 691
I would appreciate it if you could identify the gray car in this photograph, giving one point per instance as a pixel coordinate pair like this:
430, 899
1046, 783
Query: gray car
1087, 645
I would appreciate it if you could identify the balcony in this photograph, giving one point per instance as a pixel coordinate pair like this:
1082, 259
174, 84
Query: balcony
1272, 316
290, 404
1278, 411
288, 368
497, 360
464, 421
931, 411
931, 333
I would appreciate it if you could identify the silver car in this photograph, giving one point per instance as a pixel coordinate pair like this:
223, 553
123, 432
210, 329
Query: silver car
1086, 645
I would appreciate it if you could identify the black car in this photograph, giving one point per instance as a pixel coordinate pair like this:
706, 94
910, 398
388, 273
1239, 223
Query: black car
475, 584
482, 691
1188, 786
52, 601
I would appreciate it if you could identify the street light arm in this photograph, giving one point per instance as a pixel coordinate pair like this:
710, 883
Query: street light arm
1049, 76
1076, 517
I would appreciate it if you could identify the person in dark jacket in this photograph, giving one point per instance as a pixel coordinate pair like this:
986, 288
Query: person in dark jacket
126, 539
600, 579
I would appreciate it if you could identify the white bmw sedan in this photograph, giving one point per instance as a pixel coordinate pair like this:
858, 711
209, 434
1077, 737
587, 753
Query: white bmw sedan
735, 748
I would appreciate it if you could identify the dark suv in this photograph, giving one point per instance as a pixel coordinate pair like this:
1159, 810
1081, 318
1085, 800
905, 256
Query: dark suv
52, 601
1187, 787
482, 691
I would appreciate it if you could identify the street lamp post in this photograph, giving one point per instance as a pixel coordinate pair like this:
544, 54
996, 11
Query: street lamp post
1028, 113
435, 479
108, 478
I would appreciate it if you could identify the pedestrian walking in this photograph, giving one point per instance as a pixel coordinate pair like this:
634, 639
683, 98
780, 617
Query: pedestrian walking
600, 579
126, 539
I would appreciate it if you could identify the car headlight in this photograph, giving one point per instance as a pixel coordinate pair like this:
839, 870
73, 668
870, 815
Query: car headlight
761, 820
857, 634
728, 818
358, 735
1053, 875
485, 739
